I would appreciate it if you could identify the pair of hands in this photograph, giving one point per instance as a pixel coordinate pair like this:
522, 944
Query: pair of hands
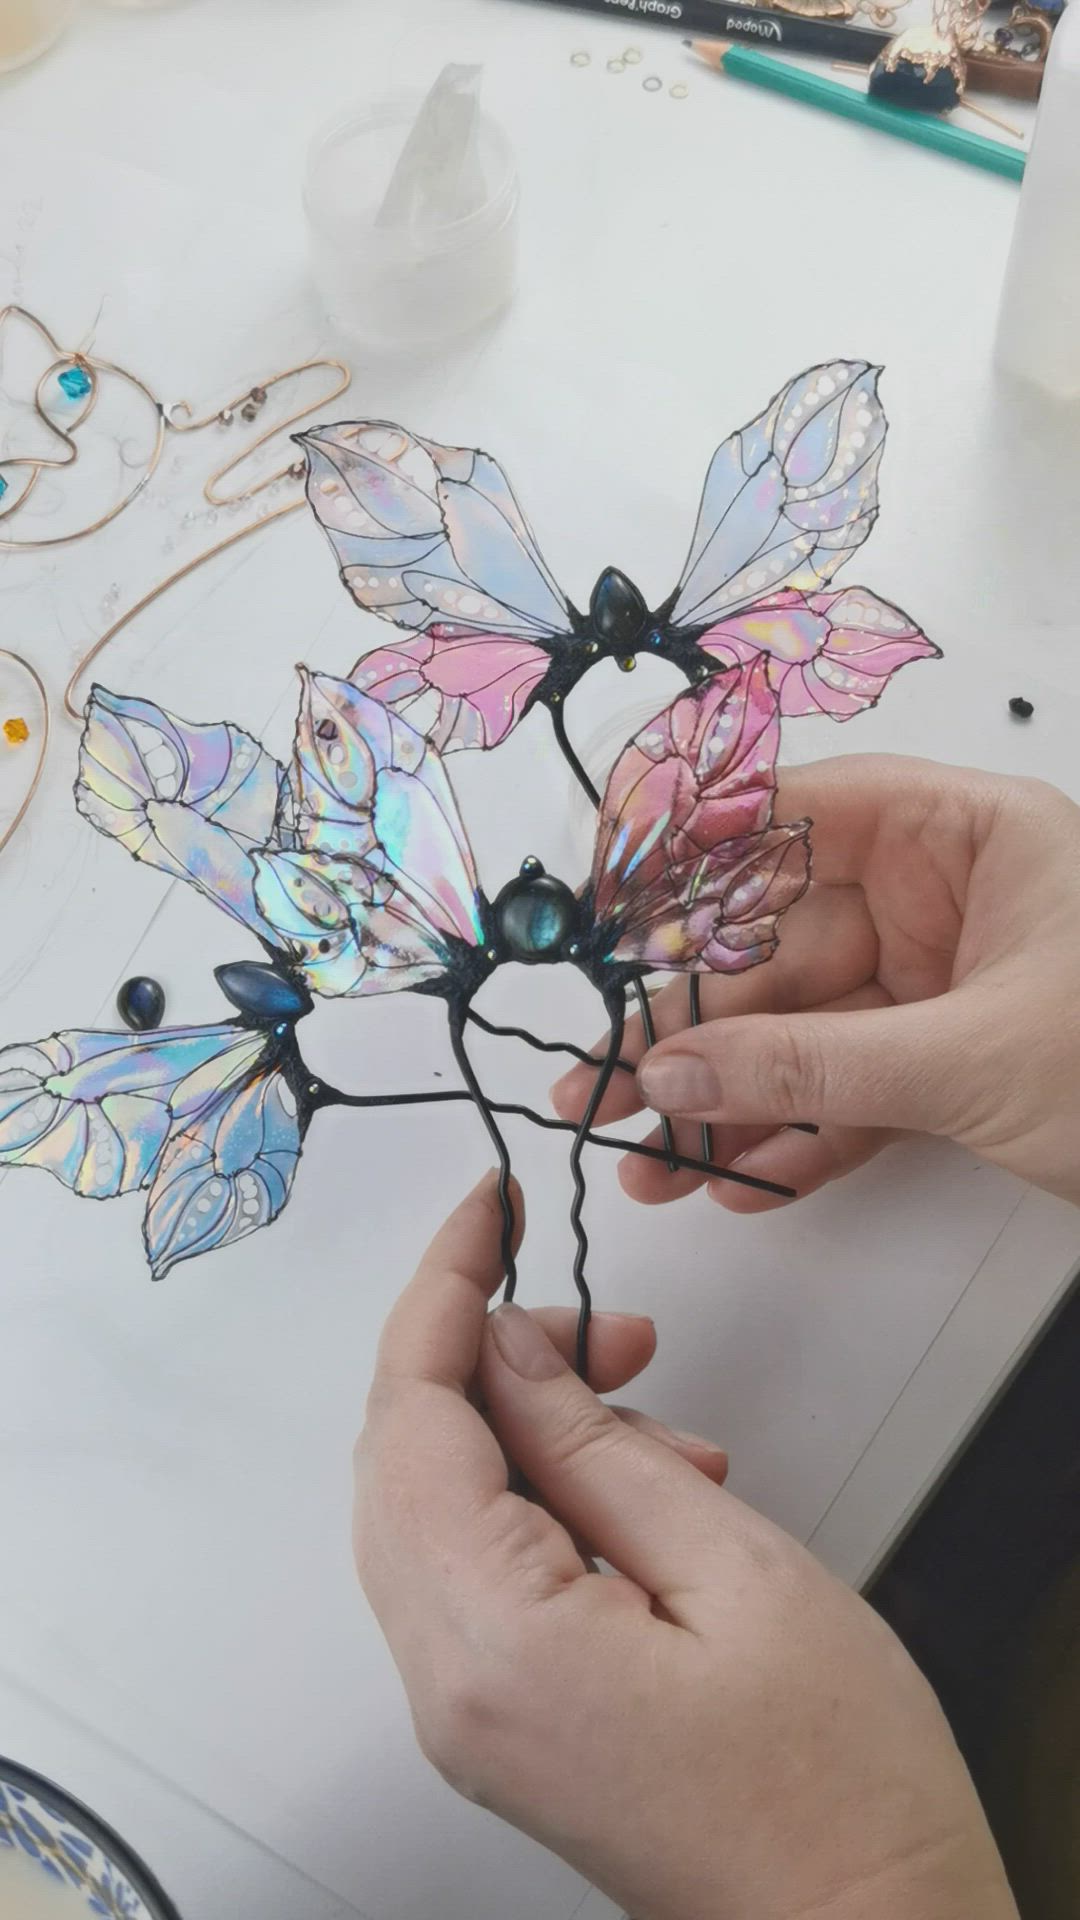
718, 1730
929, 982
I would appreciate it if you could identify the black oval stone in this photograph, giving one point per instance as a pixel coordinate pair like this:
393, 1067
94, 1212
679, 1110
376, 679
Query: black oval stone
141, 1003
535, 915
617, 611
1023, 709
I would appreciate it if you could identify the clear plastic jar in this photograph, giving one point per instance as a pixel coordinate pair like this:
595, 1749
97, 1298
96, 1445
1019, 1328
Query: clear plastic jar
399, 288
28, 27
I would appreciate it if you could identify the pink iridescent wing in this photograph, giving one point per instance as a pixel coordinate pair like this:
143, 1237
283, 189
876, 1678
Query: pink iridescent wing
377, 875
191, 800
788, 498
828, 653
690, 874
461, 689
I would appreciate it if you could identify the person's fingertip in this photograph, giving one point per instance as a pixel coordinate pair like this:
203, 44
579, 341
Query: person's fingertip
566, 1094
697, 1440
736, 1199
523, 1345
678, 1081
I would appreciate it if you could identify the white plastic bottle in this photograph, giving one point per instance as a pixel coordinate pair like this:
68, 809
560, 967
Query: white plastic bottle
1039, 324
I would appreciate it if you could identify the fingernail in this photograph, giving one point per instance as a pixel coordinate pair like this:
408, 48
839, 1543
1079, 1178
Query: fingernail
523, 1345
679, 1083
696, 1440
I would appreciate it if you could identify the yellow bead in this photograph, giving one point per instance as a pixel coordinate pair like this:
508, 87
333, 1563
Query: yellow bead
16, 732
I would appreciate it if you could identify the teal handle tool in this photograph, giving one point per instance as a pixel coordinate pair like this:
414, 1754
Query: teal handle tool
924, 129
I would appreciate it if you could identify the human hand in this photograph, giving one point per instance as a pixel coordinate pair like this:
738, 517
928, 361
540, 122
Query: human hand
717, 1730
928, 982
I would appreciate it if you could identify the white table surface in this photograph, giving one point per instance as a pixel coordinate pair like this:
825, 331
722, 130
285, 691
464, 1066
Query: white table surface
178, 1619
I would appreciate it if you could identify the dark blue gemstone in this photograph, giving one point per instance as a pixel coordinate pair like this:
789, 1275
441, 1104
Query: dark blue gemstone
141, 1003
907, 83
535, 915
261, 992
75, 382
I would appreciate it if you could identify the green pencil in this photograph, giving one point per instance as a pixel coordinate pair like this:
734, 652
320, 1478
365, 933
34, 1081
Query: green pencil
925, 129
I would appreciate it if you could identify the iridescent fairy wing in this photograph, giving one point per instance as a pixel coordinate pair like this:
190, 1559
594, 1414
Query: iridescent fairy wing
426, 534
433, 538
224, 1173
788, 498
378, 875
191, 800
459, 687
689, 872
828, 653
95, 1109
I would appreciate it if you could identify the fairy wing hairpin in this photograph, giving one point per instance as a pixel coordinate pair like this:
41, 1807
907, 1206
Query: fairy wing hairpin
433, 539
372, 886
209, 1122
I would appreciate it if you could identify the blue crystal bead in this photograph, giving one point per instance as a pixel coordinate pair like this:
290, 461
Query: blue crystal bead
261, 992
3, 486
141, 1003
75, 382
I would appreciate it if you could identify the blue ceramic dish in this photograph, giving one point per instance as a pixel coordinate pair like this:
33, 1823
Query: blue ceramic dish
71, 1845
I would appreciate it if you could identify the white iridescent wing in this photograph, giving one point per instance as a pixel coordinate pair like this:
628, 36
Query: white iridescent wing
193, 801
95, 1109
224, 1174
425, 533
378, 874
788, 498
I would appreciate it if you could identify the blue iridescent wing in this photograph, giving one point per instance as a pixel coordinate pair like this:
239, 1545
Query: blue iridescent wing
224, 1174
788, 498
191, 800
377, 876
95, 1109
427, 534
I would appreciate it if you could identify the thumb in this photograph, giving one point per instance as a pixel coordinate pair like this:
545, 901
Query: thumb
638, 1503
887, 1067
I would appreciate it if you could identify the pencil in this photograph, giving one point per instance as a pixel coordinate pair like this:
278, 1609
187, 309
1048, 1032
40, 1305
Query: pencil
851, 103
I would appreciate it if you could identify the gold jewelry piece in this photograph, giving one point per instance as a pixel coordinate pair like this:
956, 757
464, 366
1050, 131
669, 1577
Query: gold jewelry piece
8, 833
93, 653
924, 67
83, 372
79, 375
245, 407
